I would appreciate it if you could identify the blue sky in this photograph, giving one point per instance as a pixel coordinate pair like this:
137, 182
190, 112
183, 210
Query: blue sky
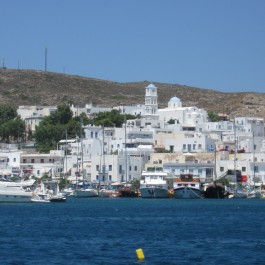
213, 44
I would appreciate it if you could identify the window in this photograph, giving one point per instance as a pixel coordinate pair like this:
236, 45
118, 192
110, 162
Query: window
110, 167
135, 168
184, 147
110, 177
256, 169
32, 160
42, 160
97, 167
221, 169
24, 160
14, 159
38, 172
243, 169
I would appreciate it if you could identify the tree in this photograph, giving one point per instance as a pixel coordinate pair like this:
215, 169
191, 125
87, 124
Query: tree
47, 136
171, 121
213, 117
7, 114
12, 130
111, 118
62, 115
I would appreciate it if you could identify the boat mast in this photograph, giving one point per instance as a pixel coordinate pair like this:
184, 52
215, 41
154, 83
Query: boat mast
82, 157
103, 151
215, 161
125, 151
235, 151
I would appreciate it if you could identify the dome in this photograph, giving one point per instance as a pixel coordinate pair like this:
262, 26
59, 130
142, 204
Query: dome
174, 100
151, 86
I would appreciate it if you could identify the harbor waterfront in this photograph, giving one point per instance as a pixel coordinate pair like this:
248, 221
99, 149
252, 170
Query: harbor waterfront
109, 231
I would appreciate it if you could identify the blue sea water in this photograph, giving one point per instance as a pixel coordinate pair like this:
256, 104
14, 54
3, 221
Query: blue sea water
109, 231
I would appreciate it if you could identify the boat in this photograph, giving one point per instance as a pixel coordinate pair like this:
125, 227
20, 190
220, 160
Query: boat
187, 187
12, 191
125, 189
238, 191
154, 184
215, 190
15, 194
109, 192
84, 190
127, 192
48, 191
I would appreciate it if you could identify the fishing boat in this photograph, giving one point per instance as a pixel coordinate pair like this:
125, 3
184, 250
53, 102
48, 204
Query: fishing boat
187, 186
154, 184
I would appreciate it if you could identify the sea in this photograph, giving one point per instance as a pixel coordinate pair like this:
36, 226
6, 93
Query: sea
110, 231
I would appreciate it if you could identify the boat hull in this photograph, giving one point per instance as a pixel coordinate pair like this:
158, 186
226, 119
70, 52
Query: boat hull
16, 197
128, 193
105, 193
215, 192
187, 193
86, 193
154, 192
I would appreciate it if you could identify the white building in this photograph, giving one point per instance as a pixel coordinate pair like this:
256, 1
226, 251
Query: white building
33, 115
188, 117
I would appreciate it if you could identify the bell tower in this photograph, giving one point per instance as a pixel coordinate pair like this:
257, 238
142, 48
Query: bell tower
151, 105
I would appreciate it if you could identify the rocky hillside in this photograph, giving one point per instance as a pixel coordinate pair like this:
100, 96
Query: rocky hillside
29, 87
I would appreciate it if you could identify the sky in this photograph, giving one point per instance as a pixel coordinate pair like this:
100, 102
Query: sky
211, 44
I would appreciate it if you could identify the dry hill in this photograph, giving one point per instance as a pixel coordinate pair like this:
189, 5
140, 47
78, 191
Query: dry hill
29, 87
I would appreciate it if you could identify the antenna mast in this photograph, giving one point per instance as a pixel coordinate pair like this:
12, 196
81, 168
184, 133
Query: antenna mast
45, 59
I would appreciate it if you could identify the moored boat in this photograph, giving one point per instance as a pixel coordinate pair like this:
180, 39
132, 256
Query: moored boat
128, 192
85, 190
154, 185
215, 191
16, 191
108, 193
187, 187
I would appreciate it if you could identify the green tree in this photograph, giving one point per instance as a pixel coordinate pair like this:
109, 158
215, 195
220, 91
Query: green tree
213, 117
12, 130
111, 118
47, 136
171, 121
62, 115
7, 114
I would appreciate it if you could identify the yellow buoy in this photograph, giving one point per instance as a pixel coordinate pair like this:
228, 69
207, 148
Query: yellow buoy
140, 253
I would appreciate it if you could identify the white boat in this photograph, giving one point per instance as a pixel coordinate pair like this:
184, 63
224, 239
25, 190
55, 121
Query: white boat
187, 187
15, 194
85, 190
154, 185
15, 191
48, 191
